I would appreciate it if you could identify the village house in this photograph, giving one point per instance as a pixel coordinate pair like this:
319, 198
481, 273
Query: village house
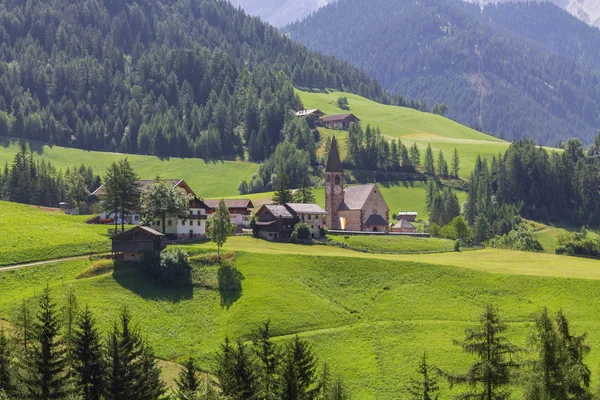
315, 116
410, 216
132, 244
277, 222
240, 210
360, 208
404, 226
193, 226
341, 121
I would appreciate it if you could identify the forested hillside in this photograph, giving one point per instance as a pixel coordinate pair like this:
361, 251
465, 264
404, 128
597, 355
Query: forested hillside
168, 78
507, 81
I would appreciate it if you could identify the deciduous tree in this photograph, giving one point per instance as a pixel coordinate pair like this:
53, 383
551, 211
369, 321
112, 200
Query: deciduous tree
220, 226
161, 200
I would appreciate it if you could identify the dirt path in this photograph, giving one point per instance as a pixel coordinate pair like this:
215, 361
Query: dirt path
37, 263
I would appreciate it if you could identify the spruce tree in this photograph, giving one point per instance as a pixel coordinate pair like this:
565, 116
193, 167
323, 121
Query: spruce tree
298, 377
305, 195
244, 373
282, 191
415, 155
268, 357
6, 366
122, 191
45, 366
429, 167
425, 387
87, 358
225, 369
150, 385
491, 374
69, 311
188, 384
455, 163
442, 165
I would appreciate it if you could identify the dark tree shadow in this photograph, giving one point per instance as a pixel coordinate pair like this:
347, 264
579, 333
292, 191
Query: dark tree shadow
230, 285
133, 277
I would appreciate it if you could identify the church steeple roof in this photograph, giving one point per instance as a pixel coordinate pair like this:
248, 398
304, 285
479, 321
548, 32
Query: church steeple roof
333, 162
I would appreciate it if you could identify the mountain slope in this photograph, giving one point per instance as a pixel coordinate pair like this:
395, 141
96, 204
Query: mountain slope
163, 77
448, 51
280, 12
586, 10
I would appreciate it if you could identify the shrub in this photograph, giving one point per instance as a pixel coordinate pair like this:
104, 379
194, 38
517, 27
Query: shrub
435, 230
213, 258
521, 238
97, 268
457, 245
171, 266
302, 231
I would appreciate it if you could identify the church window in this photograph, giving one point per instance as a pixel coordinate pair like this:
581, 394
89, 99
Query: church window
328, 178
337, 179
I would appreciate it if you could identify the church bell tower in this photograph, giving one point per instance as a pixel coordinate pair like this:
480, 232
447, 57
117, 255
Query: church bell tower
334, 186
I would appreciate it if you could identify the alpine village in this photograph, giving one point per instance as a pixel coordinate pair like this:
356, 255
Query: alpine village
299, 199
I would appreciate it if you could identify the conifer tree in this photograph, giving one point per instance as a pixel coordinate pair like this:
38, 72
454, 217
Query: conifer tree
415, 155
304, 195
87, 358
122, 192
24, 327
70, 311
188, 384
455, 163
45, 375
268, 357
6, 366
150, 385
244, 373
298, 372
426, 387
225, 368
442, 165
429, 167
491, 374
282, 191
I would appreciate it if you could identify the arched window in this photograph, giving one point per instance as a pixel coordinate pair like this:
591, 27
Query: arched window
337, 179
328, 178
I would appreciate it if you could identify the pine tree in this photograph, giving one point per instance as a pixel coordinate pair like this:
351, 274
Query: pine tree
305, 195
150, 385
429, 167
455, 164
442, 165
430, 194
225, 369
489, 377
282, 191
415, 155
122, 192
6, 367
426, 387
70, 311
243, 372
87, 358
268, 357
298, 372
188, 384
45, 375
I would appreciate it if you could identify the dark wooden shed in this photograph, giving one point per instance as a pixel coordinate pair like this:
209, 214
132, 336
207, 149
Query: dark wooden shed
132, 244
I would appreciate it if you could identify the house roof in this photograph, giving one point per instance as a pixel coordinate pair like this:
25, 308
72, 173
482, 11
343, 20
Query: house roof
279, 211
304, 113
355, 197
409, 213
404, 224
333, 161
376, 220
124, 235
339, 117
306, 208
230, 203
142, 184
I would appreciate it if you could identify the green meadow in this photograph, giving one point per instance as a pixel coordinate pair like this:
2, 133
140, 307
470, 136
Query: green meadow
412, 126
206, 177
31, 234
370, 316
395, 244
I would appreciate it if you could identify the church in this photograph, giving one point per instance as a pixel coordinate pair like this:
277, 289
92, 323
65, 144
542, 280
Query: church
359, 208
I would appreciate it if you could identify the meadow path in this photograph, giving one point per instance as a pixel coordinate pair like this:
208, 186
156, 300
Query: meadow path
38, 263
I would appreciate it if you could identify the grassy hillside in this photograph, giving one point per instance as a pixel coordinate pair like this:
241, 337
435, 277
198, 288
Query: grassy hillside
32, 234
207, 178
412, 126
370, 316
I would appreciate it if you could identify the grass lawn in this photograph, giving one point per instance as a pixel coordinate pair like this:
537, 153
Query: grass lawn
207, 178
394, 243
548, 236
30, 234
369, 315
412, 126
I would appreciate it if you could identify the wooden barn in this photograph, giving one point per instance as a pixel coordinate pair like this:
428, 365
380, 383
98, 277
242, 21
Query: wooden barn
132, 244
341, 121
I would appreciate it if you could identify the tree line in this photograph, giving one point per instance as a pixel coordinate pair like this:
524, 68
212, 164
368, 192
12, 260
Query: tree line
39, 183
55, 353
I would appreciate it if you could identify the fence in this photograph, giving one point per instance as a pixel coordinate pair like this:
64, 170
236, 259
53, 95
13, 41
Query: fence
398, 252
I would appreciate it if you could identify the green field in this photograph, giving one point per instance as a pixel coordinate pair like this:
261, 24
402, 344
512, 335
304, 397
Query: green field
412, 126
31, 234
399, 244
369, 315
206, 178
